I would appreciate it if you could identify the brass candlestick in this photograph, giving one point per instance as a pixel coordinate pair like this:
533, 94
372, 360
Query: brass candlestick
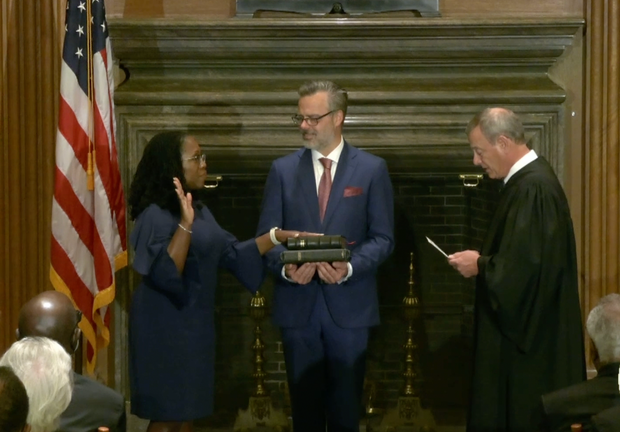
411, 311
408, 415
257, 312
260, 412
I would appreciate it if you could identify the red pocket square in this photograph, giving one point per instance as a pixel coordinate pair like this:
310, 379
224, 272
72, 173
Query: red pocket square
350, 191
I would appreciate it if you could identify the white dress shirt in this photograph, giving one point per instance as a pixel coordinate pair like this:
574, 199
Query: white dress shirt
334, 156
530, 156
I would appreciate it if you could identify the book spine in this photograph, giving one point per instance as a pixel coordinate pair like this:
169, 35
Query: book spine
326, 242
316, 255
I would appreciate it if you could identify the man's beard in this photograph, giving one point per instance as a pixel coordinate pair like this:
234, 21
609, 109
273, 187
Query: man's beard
316, 143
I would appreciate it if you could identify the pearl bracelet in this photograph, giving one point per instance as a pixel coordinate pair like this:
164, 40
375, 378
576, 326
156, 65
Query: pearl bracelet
272, 236
185, 229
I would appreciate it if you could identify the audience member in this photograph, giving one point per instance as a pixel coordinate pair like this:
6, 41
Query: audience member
51, 314
13, 402
607, 420
579, 402
44, 368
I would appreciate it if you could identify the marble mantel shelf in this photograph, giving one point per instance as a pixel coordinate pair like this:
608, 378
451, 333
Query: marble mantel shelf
413, 84
366, 42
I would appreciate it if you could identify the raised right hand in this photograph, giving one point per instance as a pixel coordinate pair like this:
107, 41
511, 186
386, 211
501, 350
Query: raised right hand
187, 211
301, 274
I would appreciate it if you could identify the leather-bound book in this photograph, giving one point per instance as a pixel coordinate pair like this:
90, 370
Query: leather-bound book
315, 255
316, 242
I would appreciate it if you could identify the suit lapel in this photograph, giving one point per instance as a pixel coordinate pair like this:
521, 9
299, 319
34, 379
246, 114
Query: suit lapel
344, 171
305, 178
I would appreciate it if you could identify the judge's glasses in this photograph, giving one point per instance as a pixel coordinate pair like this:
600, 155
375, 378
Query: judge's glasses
298, 119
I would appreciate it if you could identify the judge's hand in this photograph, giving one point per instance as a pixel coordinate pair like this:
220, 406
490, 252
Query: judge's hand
334, 272
466, 262
283, 235
300, 274
187, 211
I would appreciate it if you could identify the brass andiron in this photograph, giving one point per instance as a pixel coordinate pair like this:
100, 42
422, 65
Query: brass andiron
411, 306
370, 390
260, 413
408, 415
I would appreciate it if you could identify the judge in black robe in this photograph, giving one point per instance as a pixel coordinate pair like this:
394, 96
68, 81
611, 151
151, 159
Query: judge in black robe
528, 335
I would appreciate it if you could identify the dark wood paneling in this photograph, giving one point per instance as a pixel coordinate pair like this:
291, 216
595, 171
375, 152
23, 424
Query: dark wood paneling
602, 133
413, 84
521, 8
30, 52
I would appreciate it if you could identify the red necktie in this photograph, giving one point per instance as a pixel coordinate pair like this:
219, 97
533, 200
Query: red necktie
325, 186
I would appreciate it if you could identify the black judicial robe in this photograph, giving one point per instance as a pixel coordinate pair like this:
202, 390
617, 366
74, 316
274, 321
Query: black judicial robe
528, 334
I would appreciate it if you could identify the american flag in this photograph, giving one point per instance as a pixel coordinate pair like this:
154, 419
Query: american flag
88, 211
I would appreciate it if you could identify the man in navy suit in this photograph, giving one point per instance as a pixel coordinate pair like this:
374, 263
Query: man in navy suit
325, 309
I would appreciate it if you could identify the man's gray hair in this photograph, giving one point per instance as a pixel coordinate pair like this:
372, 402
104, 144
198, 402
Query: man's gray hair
338, 98
44, 367
494, 122
603, 326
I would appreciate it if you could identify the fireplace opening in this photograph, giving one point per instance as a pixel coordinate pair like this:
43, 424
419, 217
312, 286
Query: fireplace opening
435, 205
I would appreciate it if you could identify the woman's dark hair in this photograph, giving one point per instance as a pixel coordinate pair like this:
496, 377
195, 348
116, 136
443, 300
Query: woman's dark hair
152, 182
13, 401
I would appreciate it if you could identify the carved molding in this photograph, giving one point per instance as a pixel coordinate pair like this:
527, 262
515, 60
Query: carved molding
359, 43
413, 84
240, 143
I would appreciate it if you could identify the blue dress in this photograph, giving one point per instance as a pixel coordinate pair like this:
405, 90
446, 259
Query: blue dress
171, 326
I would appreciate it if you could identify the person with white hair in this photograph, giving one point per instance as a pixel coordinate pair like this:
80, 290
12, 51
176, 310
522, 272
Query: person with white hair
528, 337
580, 402
13, 402
44, 368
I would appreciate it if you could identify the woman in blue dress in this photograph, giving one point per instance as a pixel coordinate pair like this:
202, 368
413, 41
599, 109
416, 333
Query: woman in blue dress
178, 249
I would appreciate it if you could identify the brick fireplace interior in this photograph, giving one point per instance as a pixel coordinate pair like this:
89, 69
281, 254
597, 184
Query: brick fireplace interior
436, 205
413, 85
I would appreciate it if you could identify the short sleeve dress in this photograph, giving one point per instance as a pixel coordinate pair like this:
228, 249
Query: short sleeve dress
171, 325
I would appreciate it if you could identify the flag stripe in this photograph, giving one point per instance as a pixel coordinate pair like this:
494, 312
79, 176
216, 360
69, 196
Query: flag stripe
71, 130
74, 172
86, 229
88, 212
118, 203
65, 268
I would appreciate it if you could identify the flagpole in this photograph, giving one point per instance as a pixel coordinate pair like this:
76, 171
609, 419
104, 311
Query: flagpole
89, 61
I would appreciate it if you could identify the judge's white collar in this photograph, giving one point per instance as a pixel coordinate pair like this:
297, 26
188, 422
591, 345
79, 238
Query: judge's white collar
530, 156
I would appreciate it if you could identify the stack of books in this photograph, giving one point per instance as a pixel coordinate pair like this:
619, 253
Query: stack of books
315, 249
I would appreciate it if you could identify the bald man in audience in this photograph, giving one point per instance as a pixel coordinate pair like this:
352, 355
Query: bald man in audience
51, 314
580, 402
13, 402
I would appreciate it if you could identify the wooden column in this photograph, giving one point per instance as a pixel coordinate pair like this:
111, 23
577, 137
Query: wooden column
30, 41
602, 131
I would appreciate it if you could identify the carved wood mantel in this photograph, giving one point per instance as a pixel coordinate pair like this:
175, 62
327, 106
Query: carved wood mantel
413, 86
